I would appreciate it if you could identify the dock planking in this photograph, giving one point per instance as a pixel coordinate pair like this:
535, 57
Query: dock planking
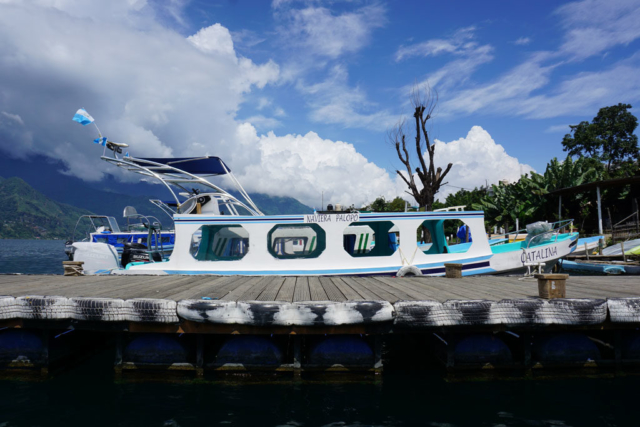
314, 288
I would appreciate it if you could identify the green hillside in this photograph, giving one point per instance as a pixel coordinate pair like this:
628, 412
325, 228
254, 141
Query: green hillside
27, 214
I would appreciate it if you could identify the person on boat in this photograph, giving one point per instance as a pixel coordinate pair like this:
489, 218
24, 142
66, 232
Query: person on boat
464, 234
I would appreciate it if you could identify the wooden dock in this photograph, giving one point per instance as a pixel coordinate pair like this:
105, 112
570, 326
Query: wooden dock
297, 323
298, 289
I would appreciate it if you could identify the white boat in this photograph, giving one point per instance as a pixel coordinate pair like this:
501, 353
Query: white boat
629, 245
217, 233
105, 229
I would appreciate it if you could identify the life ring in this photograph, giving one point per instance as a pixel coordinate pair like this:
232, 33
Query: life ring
409, 271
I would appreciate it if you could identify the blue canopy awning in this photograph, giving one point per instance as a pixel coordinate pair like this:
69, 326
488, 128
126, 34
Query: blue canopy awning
207, 165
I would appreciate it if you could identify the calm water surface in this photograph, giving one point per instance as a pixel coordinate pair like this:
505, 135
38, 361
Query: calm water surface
32, 256
88, 395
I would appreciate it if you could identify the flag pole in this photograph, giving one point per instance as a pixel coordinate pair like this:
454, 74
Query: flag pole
104, 151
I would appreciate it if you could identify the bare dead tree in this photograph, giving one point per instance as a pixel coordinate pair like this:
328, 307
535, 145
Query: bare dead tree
429, 176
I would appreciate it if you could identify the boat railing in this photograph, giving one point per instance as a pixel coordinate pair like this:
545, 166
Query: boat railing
557, 228
172, 176
110, 221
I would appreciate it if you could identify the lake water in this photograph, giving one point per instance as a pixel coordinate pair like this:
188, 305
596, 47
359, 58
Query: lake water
32, 256
89, 395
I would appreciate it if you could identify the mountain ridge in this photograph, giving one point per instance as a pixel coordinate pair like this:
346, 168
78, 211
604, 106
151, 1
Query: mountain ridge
70, 194
25, 213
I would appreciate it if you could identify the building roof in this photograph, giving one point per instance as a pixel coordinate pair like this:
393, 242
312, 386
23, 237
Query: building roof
617, 182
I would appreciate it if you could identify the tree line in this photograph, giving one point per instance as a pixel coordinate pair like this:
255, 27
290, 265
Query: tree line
605, 148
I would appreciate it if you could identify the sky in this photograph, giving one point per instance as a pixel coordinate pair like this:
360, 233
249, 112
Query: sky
299, 96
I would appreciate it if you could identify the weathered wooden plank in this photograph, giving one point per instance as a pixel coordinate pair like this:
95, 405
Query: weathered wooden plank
219, 290
122, 288
302, 289
396, 294
332, 291
287, 290
363, 291
240, 289
492, 291
32, 282
78, 288
148, 290
253, 292
204, 288
346, 290
189, 283
414, 292
428, 292
270, 291
310, 288
440, 292
383, 292
316, 291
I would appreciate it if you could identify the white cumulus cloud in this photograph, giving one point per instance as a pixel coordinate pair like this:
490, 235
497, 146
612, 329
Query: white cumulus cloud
303, 166
154, 89
476, 159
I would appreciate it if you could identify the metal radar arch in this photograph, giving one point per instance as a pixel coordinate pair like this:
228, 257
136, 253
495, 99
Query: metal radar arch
181, 176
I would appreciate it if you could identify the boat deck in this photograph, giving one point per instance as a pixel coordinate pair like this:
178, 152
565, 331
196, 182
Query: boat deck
299, 289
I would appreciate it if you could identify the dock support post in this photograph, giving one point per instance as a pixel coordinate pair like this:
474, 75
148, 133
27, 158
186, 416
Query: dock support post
617, 348
119, 351
599, 211
451, 344
526, 351
199, 356
44, 370
377, 354
297, 357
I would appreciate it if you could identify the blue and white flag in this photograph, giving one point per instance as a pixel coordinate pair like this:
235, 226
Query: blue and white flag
83, 117
102, 141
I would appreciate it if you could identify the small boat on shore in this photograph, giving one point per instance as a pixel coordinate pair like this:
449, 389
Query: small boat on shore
587, 244
630, 247
600, 267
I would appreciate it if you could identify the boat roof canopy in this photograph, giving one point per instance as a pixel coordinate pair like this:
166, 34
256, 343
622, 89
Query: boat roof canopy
207, 165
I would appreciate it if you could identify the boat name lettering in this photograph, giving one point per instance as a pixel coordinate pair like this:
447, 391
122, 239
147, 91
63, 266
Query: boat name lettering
347, 217
539, 254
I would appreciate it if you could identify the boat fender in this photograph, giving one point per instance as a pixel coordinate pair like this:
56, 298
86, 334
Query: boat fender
624, 310
262, 313
214, 311
151, 310
416, 314
9, 308
44, 307
573, 311
99, 309
421, 314
409, 271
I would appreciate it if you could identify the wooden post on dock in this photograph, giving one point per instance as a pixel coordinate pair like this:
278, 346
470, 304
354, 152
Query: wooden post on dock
552, 286
452, 270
